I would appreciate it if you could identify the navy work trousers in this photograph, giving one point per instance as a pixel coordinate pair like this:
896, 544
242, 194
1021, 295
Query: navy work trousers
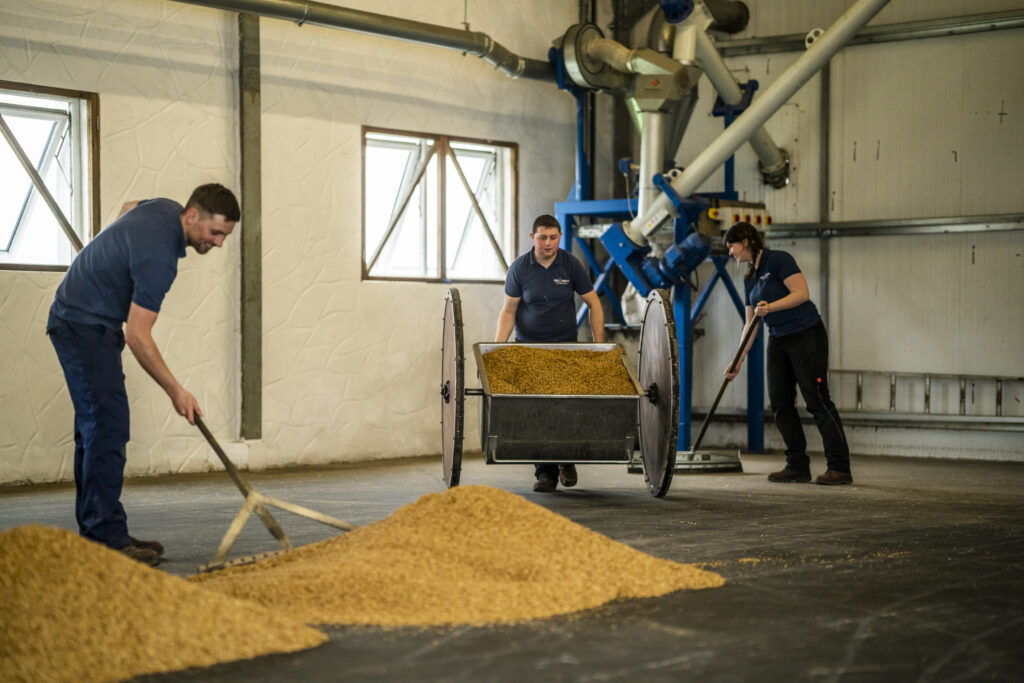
801, 360
91, 358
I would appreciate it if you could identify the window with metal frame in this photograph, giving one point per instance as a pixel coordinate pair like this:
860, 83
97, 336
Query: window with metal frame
437, 207
46, 160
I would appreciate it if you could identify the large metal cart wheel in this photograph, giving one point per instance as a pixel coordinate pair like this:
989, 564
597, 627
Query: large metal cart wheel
658, 372
453, 389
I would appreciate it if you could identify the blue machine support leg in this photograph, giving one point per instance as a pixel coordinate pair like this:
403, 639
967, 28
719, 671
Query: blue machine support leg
684, 339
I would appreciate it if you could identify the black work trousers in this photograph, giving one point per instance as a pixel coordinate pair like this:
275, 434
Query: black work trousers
801, 360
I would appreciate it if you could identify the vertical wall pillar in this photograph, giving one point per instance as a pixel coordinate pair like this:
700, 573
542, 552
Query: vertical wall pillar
824, 191
252, 242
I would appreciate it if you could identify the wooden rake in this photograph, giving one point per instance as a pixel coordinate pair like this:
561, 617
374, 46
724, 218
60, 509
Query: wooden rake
256, 502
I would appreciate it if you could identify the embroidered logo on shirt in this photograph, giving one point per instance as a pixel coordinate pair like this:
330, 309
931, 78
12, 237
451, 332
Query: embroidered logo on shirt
561, 281
766, 276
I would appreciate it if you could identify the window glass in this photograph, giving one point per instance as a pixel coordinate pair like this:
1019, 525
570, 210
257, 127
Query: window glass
437, 207
46, 131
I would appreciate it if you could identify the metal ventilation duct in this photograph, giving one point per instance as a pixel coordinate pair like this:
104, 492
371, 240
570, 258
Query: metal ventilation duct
331, 16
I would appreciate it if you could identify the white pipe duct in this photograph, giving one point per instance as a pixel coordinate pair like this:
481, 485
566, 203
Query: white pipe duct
615, 55
652, 157
763, 107
630, 61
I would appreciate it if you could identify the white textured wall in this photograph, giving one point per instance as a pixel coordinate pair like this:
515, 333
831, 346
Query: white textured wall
351, 369
165, 75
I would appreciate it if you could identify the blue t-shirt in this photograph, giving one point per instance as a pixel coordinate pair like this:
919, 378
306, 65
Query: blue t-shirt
135, 259
768, 284
547, 311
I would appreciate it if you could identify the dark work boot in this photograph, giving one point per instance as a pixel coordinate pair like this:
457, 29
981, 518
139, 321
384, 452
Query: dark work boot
143, 555
567, 475
834, 478
155, 546
788, 476
545, 483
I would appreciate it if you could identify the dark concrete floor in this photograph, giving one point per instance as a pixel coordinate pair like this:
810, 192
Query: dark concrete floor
914, 573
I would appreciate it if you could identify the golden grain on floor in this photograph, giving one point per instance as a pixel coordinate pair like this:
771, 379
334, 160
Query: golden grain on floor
519, 369
73, 610
470, 555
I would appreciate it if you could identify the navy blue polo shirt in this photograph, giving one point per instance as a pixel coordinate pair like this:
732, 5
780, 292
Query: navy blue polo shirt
768, 284
134, 259
547, 310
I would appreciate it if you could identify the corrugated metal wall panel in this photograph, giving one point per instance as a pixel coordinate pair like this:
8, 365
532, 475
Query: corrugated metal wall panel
992, 155
931, 303
896, 120
926, 128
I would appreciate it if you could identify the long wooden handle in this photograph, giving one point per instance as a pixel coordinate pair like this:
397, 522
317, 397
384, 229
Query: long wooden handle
242, 485
732, 366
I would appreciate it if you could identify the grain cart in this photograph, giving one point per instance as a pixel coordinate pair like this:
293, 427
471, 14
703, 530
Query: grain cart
519, 428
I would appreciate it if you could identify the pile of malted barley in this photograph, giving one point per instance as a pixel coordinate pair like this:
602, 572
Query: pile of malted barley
518, 369
73, 610
470, 555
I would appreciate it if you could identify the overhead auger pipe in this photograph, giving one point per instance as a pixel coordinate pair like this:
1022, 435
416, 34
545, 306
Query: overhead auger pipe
331, 16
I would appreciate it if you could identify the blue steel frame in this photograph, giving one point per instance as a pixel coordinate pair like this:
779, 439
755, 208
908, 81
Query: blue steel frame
579, 203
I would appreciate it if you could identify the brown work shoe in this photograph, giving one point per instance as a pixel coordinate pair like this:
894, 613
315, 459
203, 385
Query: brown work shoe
155, 546
567, 475
545, 483
143, 555
788, 476
834, 478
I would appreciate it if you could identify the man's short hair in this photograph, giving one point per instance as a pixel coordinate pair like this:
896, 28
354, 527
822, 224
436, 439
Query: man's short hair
546, 221
215, 199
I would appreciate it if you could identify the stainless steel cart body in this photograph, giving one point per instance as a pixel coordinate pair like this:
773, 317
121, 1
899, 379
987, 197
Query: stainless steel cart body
561, 428
538, 428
